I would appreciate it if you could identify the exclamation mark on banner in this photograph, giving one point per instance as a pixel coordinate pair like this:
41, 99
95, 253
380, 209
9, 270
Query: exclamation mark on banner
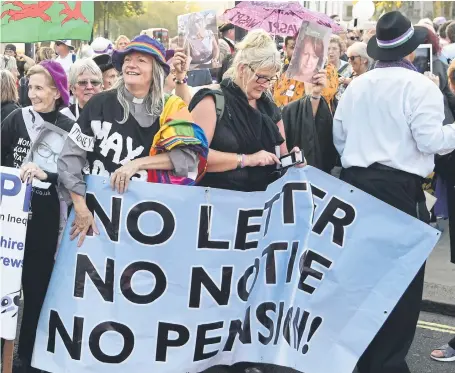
315, 324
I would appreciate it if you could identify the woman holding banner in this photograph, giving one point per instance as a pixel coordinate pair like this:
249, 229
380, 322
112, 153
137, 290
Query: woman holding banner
32, 138
130, 132
243, 140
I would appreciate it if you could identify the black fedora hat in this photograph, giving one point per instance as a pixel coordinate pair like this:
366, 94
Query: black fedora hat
395, 38
104, 62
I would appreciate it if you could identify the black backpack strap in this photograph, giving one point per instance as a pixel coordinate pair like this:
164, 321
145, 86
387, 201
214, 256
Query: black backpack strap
219, 104
218, 96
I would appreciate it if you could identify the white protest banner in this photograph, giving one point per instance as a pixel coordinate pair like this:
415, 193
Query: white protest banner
185, 278
14, 206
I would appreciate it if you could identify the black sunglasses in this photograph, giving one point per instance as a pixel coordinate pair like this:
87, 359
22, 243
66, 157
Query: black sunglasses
354, 37
84, 83
352, 58
260, 79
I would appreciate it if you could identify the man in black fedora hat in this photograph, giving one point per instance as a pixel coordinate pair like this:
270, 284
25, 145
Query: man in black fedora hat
387, 128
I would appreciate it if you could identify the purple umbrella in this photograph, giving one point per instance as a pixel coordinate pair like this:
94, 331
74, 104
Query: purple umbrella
276, 18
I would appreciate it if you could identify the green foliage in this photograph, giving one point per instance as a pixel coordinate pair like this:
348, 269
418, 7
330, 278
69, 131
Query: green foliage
112, 10
117, 9
386, 6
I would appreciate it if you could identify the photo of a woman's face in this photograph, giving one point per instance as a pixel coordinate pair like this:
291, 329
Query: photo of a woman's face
47, 152
308, 59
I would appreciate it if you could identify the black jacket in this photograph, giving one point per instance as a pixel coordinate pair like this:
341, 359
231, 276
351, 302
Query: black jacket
312, 134
7, 108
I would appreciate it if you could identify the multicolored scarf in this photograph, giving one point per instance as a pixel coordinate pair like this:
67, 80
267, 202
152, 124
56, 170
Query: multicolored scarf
178, 130
405, 64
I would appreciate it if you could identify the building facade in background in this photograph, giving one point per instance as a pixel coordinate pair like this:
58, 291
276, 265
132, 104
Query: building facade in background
415, 10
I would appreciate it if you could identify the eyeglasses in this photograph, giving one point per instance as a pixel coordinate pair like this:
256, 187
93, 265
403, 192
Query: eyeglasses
46, 152
84, 83
261, 79
352, 58
354, 38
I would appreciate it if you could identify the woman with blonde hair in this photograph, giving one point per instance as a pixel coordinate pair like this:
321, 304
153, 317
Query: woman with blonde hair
243, 139
9, 96
121, 42
44, 53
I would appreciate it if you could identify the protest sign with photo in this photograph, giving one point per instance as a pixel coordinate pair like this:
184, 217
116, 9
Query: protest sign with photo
185, 278
14, 208
310, 53
198, 34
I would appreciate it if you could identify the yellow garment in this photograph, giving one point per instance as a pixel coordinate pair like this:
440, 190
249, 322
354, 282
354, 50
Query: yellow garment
174, 104
175, 109
284, 83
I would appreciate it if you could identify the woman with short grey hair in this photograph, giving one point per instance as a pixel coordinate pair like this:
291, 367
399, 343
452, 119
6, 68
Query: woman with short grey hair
359, 60
85, 80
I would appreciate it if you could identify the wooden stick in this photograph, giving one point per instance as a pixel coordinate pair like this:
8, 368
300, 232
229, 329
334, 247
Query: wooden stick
7, 361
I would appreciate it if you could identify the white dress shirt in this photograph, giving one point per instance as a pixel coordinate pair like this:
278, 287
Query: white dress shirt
392, 116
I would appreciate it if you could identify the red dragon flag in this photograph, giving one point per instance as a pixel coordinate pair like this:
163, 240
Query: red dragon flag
32, 21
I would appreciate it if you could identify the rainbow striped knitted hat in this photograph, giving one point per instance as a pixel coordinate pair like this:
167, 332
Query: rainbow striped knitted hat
143, 44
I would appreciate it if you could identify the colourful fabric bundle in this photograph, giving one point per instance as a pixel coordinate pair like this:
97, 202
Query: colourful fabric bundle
177, 130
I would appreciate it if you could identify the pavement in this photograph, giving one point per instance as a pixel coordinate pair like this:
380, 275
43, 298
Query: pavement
433, 331
439, 288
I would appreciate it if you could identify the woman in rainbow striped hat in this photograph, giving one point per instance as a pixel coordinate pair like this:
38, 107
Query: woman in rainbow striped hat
132, 132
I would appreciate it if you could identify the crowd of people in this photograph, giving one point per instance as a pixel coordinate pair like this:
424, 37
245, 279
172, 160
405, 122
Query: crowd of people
367, 117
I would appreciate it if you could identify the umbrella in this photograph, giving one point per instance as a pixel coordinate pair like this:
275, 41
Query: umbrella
276, 18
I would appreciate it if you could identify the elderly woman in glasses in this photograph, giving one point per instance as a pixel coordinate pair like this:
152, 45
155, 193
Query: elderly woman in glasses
243, 141
31, 139
86, 80
121, 133
359, 60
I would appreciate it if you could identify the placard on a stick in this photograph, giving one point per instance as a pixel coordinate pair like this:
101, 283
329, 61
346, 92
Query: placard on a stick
198, 35
310, 52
